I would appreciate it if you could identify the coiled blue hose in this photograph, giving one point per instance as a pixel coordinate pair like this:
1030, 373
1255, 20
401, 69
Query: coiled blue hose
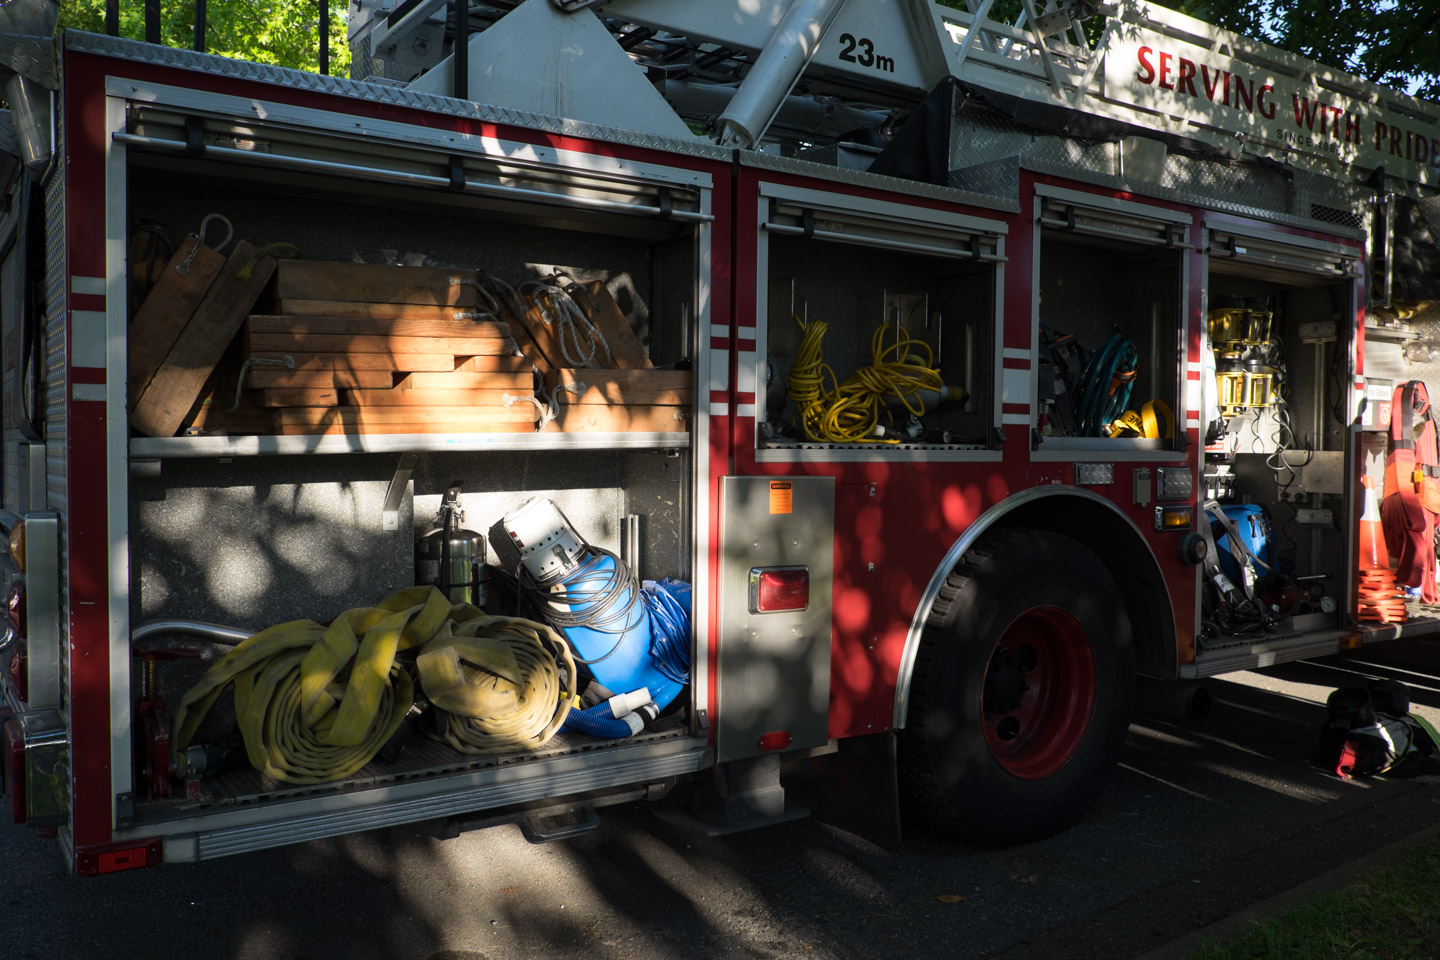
1104, 388
668, 601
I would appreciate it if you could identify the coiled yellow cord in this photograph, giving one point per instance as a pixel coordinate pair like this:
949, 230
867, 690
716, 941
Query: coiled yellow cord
849, 412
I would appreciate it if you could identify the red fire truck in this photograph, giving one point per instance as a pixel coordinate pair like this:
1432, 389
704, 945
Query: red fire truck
1029, 372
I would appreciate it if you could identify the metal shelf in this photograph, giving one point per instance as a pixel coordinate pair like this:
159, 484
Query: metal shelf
167, 448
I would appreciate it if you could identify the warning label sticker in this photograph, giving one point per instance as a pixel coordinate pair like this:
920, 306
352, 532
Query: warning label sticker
782, 496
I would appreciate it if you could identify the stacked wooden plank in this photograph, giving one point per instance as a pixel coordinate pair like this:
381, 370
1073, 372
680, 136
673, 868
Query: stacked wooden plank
182, 330
385, 349
646, 401
624, 393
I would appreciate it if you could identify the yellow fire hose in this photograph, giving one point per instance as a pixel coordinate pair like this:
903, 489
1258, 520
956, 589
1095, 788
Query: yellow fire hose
316, 703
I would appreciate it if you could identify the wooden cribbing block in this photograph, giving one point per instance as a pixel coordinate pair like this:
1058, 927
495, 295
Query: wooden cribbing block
198, 349
594, 417
322, 378
358, 362
362, 416
523, 381
367, 326
626, 350
171, 302
376, 283
653, 387
344, 343
350, 429
370, 311
470, 399
507, 364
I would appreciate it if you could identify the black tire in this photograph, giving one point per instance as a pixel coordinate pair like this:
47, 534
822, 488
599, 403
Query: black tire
1046, 755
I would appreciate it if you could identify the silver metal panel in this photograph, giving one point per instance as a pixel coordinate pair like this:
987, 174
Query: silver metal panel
1252, 656
55, 404
114, 327
539, 60
773, 669
260, 826
164, 448
374, 93
42, 608
30, 460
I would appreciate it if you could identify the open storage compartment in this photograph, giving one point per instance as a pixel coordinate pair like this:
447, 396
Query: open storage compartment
1279, 328
878, 325
1112, 286
221, 535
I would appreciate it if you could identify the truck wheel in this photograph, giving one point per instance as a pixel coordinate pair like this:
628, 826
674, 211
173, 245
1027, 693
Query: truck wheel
1022, 690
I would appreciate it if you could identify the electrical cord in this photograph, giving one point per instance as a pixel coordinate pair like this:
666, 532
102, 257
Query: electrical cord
849, 412
597, 590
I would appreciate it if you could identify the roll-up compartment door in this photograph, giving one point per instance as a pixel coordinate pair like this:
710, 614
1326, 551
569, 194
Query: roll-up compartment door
405, 155
823, 217
1088, 216
1276, 256
912, 285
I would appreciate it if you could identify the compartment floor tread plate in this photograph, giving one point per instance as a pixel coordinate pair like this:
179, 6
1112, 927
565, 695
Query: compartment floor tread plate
423, 758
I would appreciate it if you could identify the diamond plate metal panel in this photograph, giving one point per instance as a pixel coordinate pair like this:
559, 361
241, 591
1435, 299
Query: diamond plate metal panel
375, 93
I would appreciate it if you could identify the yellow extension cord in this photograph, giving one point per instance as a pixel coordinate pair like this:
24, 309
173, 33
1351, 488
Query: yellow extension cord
316, 703
849, 412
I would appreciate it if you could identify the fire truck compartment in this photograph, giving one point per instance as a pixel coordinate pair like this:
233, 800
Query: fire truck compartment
1112, 287
1276, 461
852, 288
313, 526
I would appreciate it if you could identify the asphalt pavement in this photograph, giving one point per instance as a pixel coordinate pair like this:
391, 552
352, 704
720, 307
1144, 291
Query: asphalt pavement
1199, 823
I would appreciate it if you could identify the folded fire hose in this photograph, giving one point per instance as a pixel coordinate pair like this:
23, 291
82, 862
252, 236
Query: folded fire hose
316, 703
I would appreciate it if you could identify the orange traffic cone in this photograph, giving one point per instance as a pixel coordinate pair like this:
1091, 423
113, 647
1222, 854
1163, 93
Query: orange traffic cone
1380, 596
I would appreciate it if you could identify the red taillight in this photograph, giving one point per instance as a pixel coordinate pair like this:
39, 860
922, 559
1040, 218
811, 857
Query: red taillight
779, 588
775, 740
114, 857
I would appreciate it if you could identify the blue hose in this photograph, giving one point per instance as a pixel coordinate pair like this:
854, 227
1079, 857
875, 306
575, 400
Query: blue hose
668, 601
597, 722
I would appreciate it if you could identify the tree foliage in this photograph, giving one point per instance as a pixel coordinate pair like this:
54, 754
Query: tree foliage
282, 32
1385, 41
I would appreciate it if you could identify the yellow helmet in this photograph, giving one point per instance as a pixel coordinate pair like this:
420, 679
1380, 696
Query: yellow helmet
1153, 421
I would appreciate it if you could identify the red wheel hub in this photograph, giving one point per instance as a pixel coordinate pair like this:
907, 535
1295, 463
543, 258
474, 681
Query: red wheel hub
1039, 693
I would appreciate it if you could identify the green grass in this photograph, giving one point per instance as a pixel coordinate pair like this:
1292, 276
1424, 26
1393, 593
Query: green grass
1391, 914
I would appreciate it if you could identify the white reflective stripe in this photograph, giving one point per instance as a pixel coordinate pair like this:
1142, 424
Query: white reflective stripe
87, 391
719, 410
719, 330
88, 286
1192, 394
1015, 353
1015, 386
1021, 418
87, 338
745, 371
745, 410
719, 370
